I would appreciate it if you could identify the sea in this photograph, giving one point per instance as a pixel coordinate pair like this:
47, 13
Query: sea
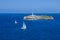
35, 29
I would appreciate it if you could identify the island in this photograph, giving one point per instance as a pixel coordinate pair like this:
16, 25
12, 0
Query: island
40, 17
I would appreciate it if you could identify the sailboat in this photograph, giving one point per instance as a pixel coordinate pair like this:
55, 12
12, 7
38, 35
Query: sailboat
16, 22
24, 26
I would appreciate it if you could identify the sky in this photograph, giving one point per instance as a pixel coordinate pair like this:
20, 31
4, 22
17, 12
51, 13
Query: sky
28, 6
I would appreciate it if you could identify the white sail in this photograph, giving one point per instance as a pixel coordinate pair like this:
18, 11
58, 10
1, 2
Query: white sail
24, 26
16, 22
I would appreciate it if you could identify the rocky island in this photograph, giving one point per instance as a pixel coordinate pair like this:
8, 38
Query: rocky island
40, 17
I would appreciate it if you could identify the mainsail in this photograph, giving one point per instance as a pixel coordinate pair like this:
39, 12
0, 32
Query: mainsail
24, 26
16, 22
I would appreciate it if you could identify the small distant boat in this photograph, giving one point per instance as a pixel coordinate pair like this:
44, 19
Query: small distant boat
16, 22
24, 26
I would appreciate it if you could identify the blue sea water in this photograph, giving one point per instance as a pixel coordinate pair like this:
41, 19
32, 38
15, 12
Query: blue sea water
36, 30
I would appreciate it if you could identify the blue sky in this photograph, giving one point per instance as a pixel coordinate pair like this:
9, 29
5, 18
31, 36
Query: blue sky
28, 6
